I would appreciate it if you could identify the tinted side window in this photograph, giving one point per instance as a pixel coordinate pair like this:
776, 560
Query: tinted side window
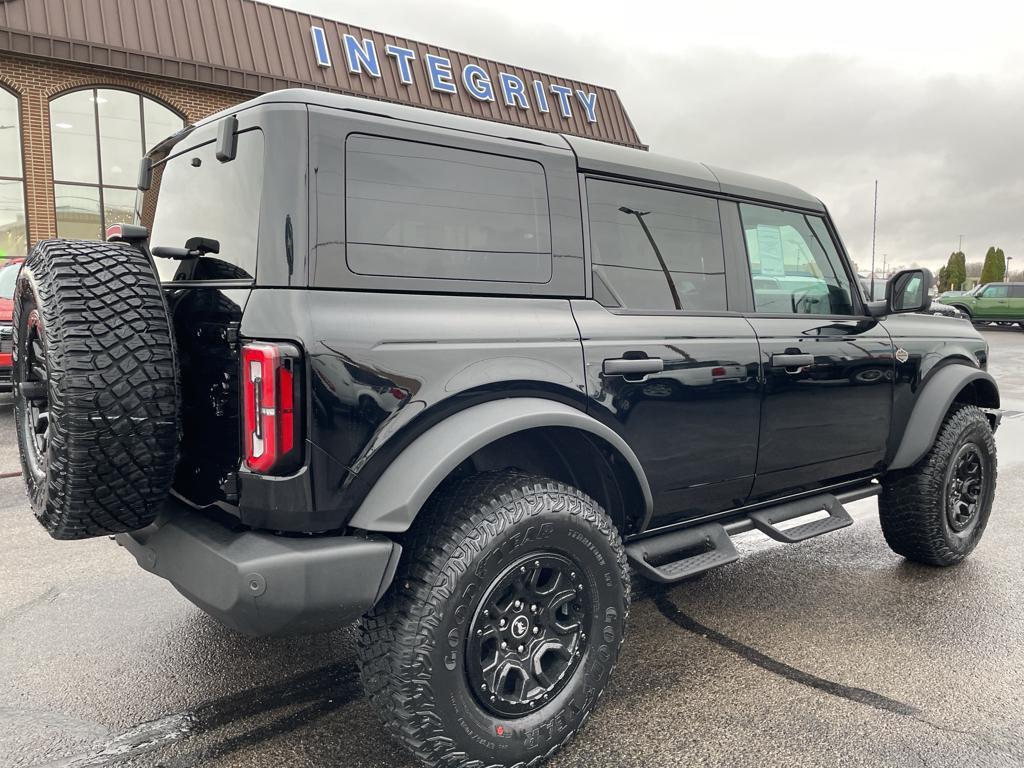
1017, 291
420, 210
794, 265
995, 292
655, 249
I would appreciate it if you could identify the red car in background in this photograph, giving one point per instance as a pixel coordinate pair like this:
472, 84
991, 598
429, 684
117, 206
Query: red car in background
8, 274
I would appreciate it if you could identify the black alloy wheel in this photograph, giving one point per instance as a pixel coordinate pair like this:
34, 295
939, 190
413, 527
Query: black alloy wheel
528, 634
965, 487
32, 385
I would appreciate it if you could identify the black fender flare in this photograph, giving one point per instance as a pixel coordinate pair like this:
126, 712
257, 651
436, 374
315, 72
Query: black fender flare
400, 492
933, 403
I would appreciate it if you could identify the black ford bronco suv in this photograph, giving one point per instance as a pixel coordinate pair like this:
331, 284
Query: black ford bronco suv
453, 379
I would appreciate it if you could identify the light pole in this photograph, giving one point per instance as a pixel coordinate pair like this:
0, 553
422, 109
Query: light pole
657, 252
960, 246
874, 231
1006, 272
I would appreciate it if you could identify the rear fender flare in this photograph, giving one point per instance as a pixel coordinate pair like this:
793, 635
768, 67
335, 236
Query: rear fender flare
933, 403
403, 488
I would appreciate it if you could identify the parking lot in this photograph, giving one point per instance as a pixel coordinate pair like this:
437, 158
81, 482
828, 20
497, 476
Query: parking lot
833, 652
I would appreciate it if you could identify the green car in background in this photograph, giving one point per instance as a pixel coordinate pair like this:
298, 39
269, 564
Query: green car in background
992, 302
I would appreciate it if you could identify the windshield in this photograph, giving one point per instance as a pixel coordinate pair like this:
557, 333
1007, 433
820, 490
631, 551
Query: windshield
8, 276
195, 195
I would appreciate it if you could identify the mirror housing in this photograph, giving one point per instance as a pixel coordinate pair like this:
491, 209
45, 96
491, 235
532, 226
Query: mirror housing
906, 291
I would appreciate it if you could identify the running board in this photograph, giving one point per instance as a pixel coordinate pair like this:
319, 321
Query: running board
681, 554
767, 520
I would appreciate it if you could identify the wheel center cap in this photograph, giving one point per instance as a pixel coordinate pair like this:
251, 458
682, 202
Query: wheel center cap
520, 626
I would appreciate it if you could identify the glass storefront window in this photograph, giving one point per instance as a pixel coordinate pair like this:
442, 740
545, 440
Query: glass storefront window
78, 211
98, 137
13, 230
118, 206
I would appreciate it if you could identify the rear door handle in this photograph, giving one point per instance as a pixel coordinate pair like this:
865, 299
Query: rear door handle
792, 361
627, 366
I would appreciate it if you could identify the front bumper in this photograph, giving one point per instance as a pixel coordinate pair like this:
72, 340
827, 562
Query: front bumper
263, 584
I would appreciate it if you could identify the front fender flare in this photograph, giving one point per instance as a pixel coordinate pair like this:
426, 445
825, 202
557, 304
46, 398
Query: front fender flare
933, 403
403, 488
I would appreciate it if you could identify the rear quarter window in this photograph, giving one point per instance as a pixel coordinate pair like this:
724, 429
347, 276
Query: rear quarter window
418, 210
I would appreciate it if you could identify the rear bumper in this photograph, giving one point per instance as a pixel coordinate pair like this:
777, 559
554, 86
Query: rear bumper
262, 584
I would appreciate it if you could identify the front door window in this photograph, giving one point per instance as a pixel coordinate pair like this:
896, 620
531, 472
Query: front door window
795, 268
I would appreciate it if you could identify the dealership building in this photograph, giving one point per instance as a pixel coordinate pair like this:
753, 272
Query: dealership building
87, 86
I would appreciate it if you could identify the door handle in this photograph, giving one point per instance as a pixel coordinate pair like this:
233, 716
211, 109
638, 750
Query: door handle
627, 366
792, 361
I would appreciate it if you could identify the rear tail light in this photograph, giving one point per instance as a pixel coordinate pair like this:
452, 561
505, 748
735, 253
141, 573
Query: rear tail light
719, 371
270, 397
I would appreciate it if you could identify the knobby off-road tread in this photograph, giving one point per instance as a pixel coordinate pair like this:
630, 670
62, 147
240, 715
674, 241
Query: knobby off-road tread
114, 398
396, 637
912, 505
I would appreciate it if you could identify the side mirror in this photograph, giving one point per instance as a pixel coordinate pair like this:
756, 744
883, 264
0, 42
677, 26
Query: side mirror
906, 291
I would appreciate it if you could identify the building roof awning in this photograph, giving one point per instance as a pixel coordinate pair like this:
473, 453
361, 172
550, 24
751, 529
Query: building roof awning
255, 47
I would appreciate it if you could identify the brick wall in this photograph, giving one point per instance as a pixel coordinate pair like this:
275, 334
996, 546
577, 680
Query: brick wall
36, 81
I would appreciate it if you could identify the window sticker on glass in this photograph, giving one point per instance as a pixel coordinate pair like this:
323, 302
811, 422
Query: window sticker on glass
769, 248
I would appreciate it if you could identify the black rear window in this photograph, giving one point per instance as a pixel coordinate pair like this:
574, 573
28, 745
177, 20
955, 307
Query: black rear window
195, 195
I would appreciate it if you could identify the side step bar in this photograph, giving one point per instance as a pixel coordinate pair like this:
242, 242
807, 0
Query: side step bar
765, 519
676, 555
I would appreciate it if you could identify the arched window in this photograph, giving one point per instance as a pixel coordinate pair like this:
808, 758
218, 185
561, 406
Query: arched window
98, 137
13, 232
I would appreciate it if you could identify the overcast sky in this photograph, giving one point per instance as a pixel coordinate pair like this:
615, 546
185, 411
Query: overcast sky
928, 99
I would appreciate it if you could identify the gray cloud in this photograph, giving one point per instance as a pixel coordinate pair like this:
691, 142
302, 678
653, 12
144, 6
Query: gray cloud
948, 150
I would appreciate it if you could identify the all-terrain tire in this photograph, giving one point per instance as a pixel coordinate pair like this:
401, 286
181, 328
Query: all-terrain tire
915, 504
415, 646
96, 387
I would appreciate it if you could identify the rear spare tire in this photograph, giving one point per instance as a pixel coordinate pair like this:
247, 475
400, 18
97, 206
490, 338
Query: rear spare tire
96, 394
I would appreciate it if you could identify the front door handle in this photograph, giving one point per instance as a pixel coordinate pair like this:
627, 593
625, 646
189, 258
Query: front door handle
630, 366
792, 361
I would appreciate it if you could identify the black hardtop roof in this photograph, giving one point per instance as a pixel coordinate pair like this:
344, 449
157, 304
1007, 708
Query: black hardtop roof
597, 156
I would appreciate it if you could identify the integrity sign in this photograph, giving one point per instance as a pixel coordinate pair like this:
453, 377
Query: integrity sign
442, 75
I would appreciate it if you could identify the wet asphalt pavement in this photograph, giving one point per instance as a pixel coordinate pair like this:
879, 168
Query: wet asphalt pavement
832, 652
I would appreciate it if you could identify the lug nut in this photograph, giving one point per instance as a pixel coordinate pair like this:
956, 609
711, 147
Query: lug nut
533, 608
486, 612
536, 630
522, 569
520, 649
483, 686
504, 645
517, 605
501, 623
479, 632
